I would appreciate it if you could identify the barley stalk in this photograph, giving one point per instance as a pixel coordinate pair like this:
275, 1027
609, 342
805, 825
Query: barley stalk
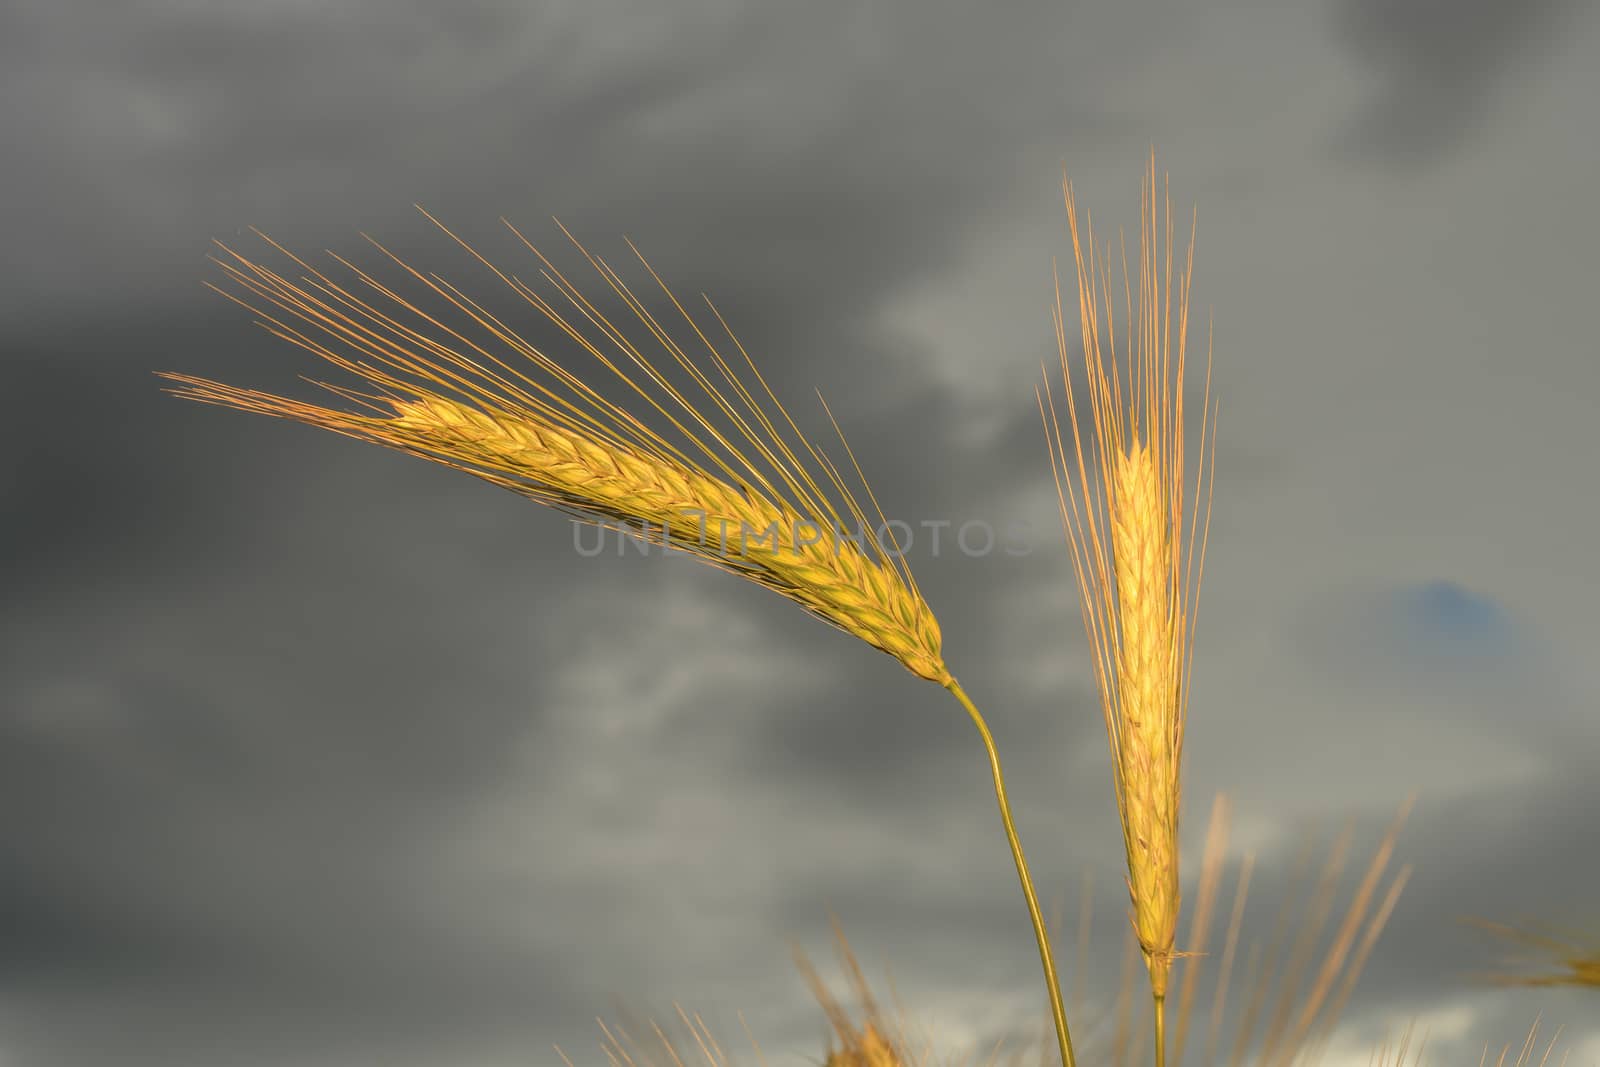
1128, 553
738, 497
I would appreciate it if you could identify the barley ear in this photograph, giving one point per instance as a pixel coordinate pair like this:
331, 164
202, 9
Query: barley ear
1124, 527
1148, 770
460, 387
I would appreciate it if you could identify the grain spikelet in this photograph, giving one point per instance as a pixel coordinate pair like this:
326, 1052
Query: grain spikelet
1128, 550
740, 497
1140, 550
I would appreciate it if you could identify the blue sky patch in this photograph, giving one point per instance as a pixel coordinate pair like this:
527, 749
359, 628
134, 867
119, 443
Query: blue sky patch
1445, 621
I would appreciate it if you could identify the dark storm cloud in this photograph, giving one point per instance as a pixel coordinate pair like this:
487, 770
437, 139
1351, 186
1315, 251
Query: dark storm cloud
151, 129
316, 754
1441, 68
191, 848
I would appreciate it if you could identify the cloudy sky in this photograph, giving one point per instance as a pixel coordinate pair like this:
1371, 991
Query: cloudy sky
318, 755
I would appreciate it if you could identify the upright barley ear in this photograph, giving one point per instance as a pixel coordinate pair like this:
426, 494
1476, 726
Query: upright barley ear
1125, 529
1146, 751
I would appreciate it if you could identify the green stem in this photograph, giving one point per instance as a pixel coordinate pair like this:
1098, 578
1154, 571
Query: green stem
1161, 1030
1059, 1013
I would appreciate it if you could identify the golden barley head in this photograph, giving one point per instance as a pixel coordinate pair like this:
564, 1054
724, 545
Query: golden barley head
1125, 531
735, 492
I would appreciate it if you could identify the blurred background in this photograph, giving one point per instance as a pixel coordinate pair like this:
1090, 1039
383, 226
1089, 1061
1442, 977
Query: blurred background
314, 754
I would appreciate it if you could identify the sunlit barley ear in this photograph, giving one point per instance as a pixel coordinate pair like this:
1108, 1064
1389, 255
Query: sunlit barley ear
1122, 505
740, 487
476, 396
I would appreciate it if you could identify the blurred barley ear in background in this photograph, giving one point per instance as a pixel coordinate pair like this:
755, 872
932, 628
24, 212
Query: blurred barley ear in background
1560, 958
1396, 1056
1272, 1004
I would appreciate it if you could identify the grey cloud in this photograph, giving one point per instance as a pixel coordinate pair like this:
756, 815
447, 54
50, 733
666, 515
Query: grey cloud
1441, 69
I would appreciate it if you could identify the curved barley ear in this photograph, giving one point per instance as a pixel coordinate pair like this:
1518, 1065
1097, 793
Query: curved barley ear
482, 399
1124, 525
